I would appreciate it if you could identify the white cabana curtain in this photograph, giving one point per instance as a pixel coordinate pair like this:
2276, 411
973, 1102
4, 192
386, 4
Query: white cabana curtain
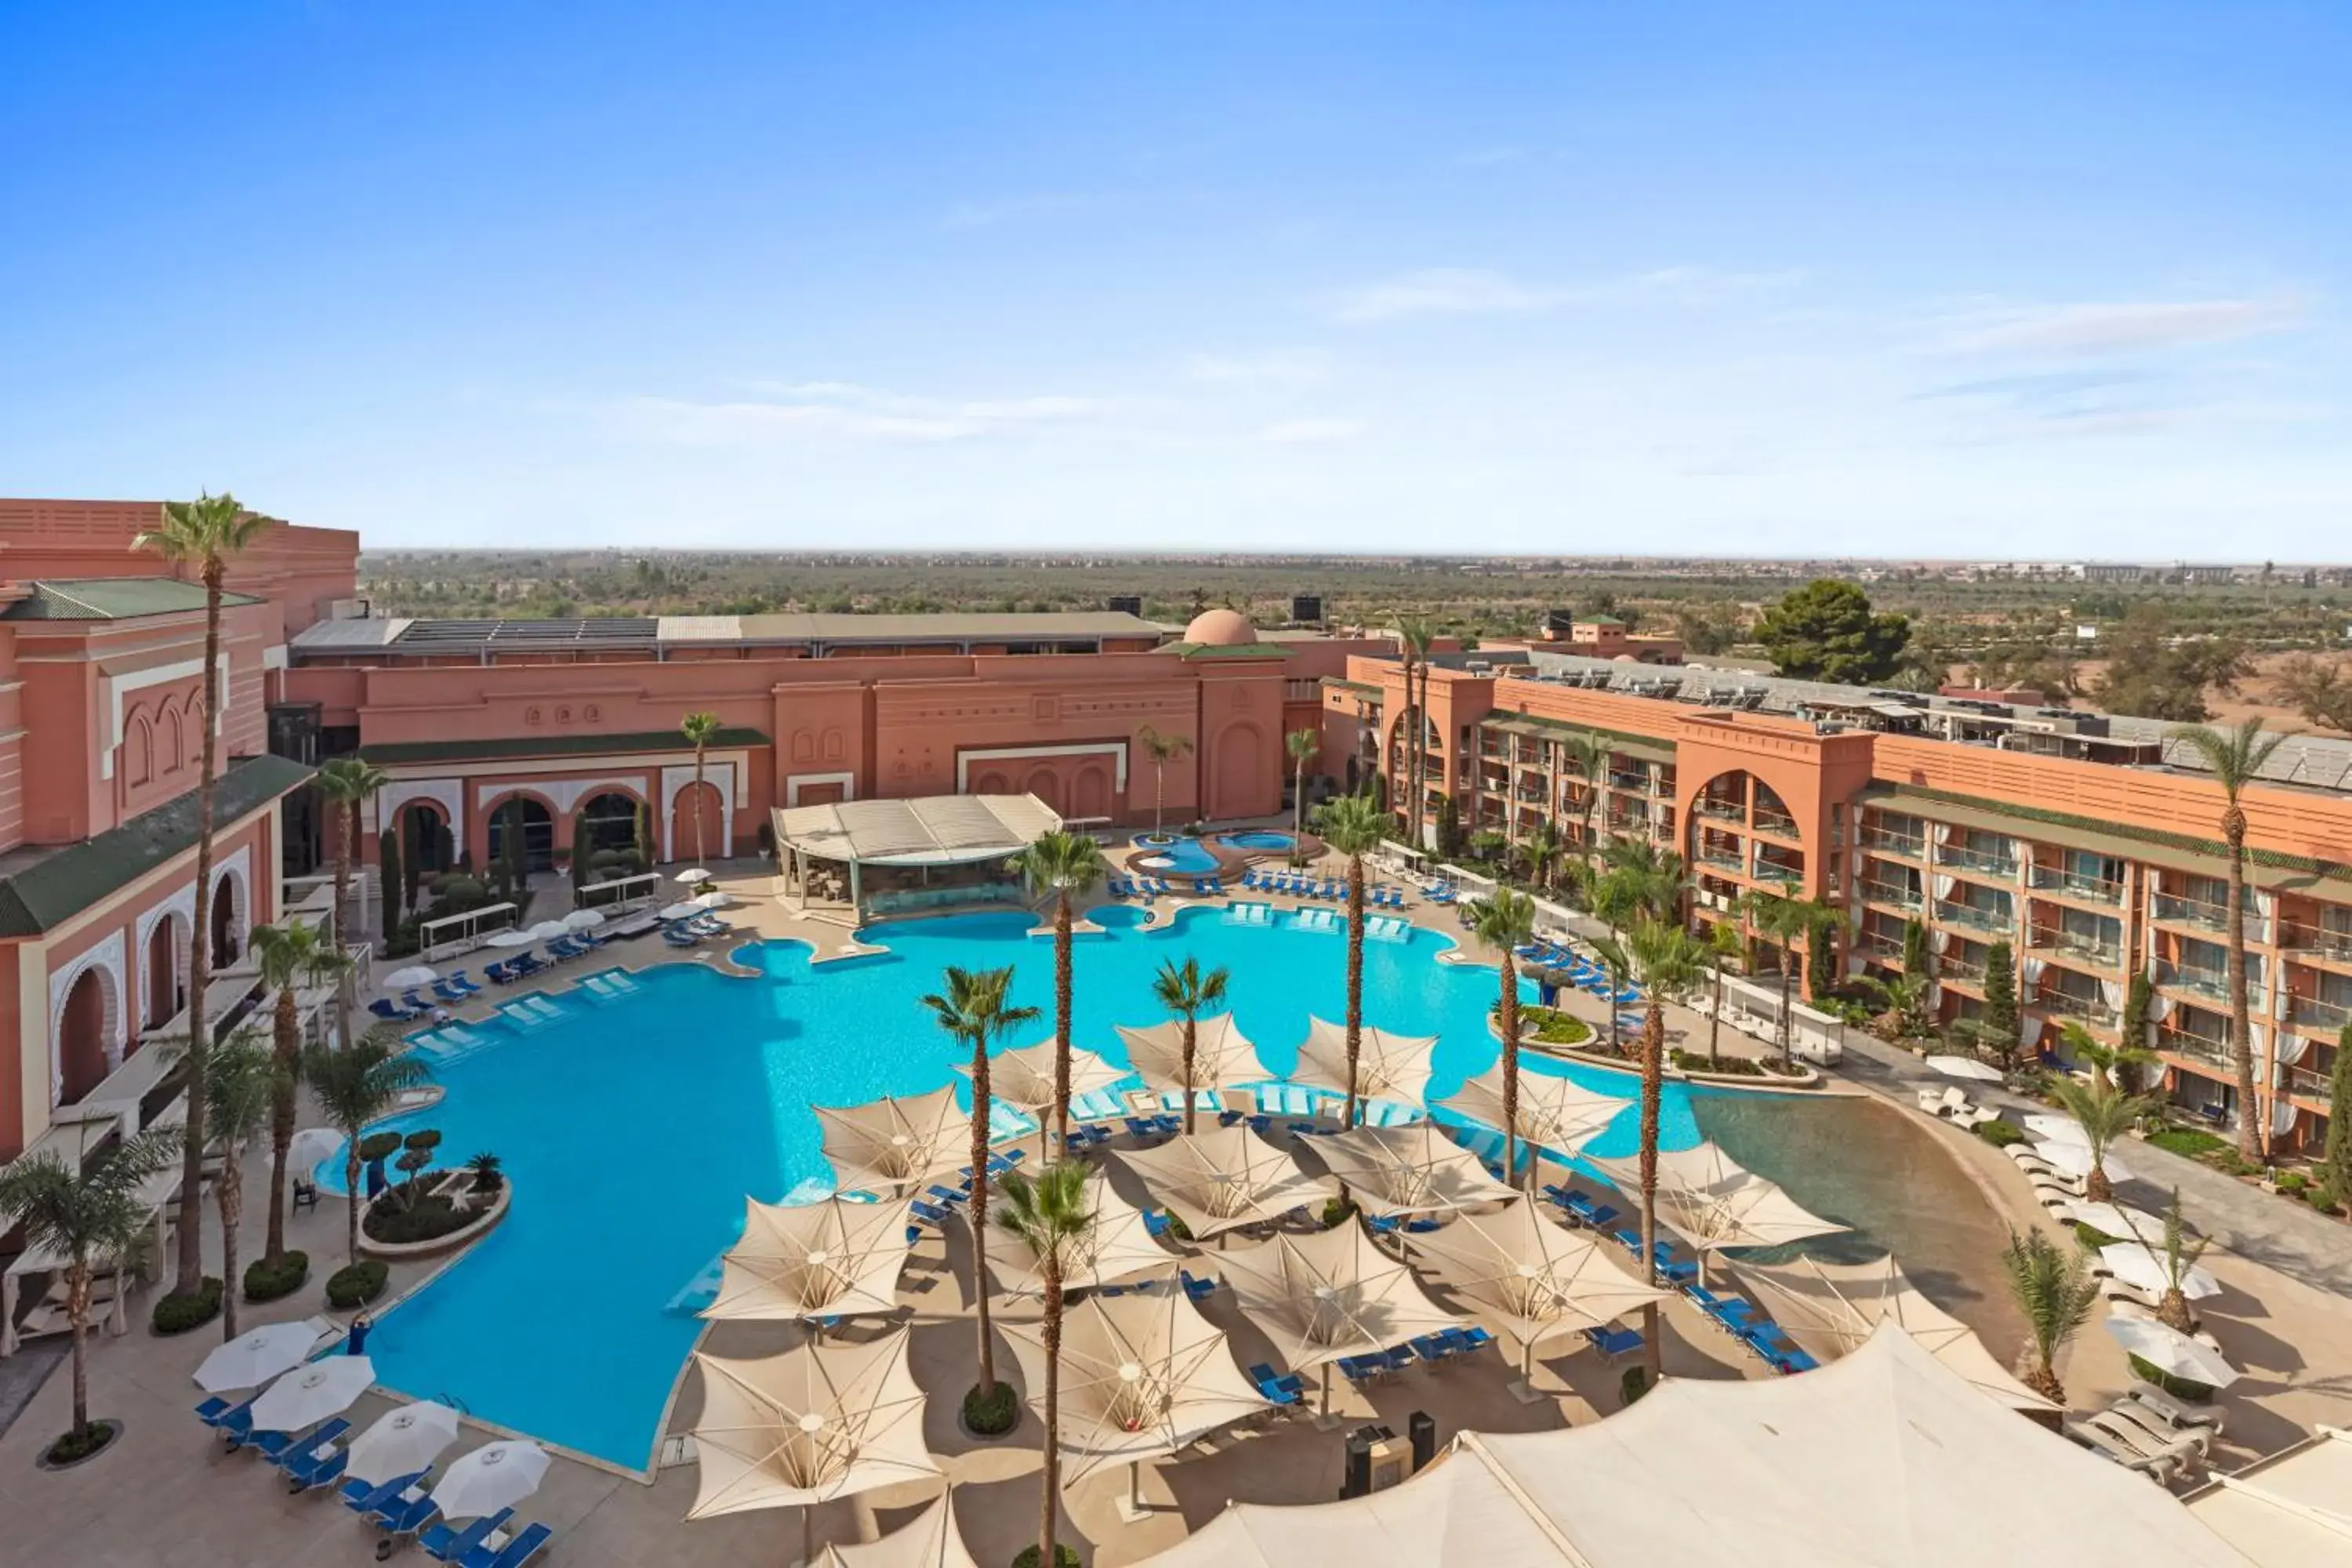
2029, 969
2291, 1047
1939, 939
1943, 884
2281, 1118
2259, 1040
2265, 902
2159, 1007
1943, 833
2029, 1030
2113, 993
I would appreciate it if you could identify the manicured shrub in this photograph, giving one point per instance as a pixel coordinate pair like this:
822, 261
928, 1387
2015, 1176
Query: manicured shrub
992, 1414
266, 1280
1335, 1210
2292, 1182
1724, 1067
1633, 1383
178, 1311
75, 1447
357, 1284
2178, 1387
428, 1218
2000, 1135
1064, 1557
379, 1146
2190, 1142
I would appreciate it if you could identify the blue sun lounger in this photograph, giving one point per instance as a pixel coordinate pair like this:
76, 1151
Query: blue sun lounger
445, 1543
514, 1554
1613, 1342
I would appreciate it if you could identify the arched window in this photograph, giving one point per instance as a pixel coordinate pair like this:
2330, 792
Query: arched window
137, 751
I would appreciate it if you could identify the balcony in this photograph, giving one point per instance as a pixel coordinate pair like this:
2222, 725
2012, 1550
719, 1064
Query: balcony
1637, 783
1878, 841
1880, 948
2323, 944
1717, 809
1969, 972
2090, 1010
2208, 984
2318, 1015
2074, 947
2210, 1056
2303, 1081
1723, 859
2207, 917
1975, 917
1778, 823
1982, 862
1894, 895
2067, 884
1784, 866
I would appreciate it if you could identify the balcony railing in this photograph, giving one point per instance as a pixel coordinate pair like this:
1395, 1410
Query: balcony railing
1886, 948
1960, 968
1974, 917
1637, 783
2319, 941
1779, 822
1729, 862
2213, 985
2197, 1048
2318, 1013
1893, 894
2074, 945
2206, 916
2303, 1082
1978, 861
2091, 1010
1878, 841
1720, 809
2057, 879
1780, 868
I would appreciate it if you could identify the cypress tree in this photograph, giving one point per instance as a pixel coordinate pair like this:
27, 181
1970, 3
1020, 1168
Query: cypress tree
2336, 1163
389, 879
1915, 947
2136, 1003
2000, 1000
411, 864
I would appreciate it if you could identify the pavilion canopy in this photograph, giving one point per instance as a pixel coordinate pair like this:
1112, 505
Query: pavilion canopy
1114, 1245
1834, 1309
1023, 1079
1554, 1112
1388, 1066
1885, 1459
930, 1540
1221, 1177
829, 1258
2292, 1510
1141, 1377
1330, 1294
937, 830
1221, 1054
890, 1142
1408, 1170
1716, 1201
1535, 1276
815, 1422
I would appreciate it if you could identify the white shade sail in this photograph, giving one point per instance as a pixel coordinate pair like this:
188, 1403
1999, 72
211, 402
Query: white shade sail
1388, 1066
2172, 1352
1221, 1054
1223, 1177
815, 1422
930, 1540
1023, 1079
1329, 1295
1713, 1200
1856, 1465
402, 1442
1533, 1276
1141, 1377
2073, 1159
312, 1392
1834, 1309
889, 1143
829, 1258
413, 975
1554, 1112
583, 919
1114, 1245
1967, 1068
255, 1356
2052, 1128
2143, 1268
935, 830
1408, 1170
493, 1476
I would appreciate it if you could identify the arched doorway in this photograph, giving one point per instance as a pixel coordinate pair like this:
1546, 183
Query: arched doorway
605, 823
1047, 787
159, 966
698, 827
228, 926
1239, 778
426, 841
1090, 796
82, 1037
528, 816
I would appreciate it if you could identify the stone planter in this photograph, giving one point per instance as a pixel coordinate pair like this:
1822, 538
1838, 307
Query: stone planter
394, 1251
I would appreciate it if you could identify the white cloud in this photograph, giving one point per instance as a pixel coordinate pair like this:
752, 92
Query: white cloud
2124, 328
1278, 369
1308, 432
1445, 290
841, 410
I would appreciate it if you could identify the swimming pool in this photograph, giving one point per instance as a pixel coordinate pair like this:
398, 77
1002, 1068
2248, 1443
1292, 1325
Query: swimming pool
1262, 840
635, 1127
1187, 856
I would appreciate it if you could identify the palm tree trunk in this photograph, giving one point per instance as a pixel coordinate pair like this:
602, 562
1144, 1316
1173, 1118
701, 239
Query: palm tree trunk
1355, 977
698, 851
1192, 1043
190, 1275
281, 1118
347, 831
1714, 1020
1050, 1490
1297, 812
78, 1314
351, 1197
1506, 1013
230, 1194
980, 1107
2253, 1123
1159, 793
1787, 1022
1062, 989
1653, 1048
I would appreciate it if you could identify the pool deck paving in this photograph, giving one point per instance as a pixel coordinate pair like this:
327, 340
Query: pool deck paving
167, 1495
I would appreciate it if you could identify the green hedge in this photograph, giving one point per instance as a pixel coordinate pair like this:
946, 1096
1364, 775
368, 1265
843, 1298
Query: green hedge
429, 1218
992, 1414
2000, 1135
1064, 1557
1555, 1028
177, 1313
1724, 1067
2194, 1143
357, 1284
269, 1278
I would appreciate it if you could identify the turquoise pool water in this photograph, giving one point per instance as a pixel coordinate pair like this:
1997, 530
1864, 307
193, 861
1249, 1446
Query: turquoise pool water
1186, 856
1261, 839
634, 1127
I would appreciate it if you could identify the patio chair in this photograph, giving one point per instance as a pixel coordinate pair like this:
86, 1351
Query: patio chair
1943, 1102
1613, 1343
365, 1498
218, 1412
391, 1012
403, 1517
2141, 1418
514, 1554
308, 1447
445, 1543
2176, 1413
316, 1468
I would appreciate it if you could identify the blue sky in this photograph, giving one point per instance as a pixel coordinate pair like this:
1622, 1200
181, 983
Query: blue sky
1989, 279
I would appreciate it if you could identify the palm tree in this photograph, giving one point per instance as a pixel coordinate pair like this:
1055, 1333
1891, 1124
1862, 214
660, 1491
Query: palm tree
347, 785
1589, 755
1543, 848
1414, 633
2175, 1257
1051, 1213
1619, 964
244, 1082
1063, 866
202, 534
355, 1087
1669, 961
2236, 755
89, 1214
973, 1010
1503, 923
1184, 990
1162, 750
698, 729
1723, 947
1303, 745
288, 956
2106, 1113
2052, 1290
1645, 880
1355, 827
1785, 920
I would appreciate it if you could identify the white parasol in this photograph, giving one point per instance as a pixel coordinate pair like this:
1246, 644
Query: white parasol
692, 874
1532, 1274
511, 937
583, 919
717, 899
415, 974
1221, 1054
1553, 1112
311, 1146
2075, 1160
892, 1143
1334, 1294
2143, 1268
1115, 1245
1964, 1067
2172, 1352
1221, 1177
253, 1358
825, 1260
1409, 1170
1388, 1066
930, 1540
312, 1392
493, 1476
1716, 1201
402, 1442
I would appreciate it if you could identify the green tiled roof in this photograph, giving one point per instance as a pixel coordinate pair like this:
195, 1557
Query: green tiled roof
60, 885
1191, 650
110, 599
504, 748
1341, 683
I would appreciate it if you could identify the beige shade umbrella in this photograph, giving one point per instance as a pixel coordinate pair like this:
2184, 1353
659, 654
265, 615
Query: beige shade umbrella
891, 1144
816, 1423
1834, 1309
1534, 1276
1388, 1066
826, 1260
1221, 1054
1114, 1245
930, 1540
1715, 1201
1223, 1177
1554, 1112
1023, 1079
1141, 1377
1411, 1170
1333, 1294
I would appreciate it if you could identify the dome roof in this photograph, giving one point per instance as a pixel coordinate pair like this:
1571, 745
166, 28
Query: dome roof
1221, 628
